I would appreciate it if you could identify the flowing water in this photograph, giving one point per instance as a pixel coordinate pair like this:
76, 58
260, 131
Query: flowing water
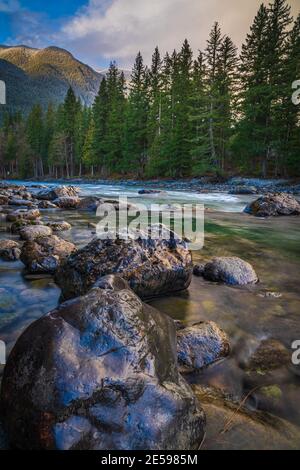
247, 314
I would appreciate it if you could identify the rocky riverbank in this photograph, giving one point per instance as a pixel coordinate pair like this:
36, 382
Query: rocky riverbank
138, 358
235, 185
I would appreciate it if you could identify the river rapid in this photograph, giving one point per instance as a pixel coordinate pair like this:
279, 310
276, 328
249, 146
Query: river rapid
249, 315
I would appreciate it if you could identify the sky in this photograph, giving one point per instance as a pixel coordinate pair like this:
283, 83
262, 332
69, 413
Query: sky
98, 31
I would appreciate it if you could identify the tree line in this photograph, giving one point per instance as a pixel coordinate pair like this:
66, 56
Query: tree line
184, 115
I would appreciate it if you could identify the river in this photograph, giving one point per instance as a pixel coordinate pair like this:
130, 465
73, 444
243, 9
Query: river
247, 314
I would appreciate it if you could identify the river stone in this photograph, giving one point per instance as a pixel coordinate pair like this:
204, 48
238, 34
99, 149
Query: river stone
230, 270
243, 190
150, 191
269, 355
67, 202
59, 226
20, 202
51, 194
99, 373
198, 269
152, 267
23, 214
46, 205
89, 203
44, 254
274, 205
3, 199
9, 250
17, 226
31, 232
200, 345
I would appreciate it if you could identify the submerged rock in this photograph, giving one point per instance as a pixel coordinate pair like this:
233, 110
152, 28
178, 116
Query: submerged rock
232, 426
31, 232
9, 250
57, 192
67, 202
201, 345
230, 270
270, 354
44, 254
100, 372
152, 267
274, 205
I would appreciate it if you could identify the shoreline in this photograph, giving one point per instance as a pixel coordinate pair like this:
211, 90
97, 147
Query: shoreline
198, 185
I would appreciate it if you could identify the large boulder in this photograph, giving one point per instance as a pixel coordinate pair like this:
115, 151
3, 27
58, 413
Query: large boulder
50, 194
3, 199
200, 345
230, 270
152, 267
20, 202
18, 225
9, 250
46, 205
99, 373
31, 232
67, 202
44, 254
274, 205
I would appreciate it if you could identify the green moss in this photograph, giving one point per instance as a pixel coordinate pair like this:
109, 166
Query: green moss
272, 391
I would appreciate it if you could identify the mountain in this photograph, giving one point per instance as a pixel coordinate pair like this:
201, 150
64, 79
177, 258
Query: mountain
44, 76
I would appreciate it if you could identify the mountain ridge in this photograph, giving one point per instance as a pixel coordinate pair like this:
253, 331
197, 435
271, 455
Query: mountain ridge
43, 76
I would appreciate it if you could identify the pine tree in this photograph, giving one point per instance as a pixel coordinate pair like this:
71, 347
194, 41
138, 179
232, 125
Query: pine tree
136, 138
35, 135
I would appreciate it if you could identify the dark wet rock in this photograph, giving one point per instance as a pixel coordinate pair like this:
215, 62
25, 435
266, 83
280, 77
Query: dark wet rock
20, 202
31, 232
149, 191
89, 203
23, 214
232, 426
243, 190
68, 202
46, 205
51, 194
59, 226
17, 226
9, 250
200, 345
270, 354
117, 205
100, 372
3, 199
274, 205
198, 269
152, 267
44, 254
230, 270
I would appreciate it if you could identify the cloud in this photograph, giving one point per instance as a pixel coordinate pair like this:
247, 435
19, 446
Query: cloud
117, 29
9, 6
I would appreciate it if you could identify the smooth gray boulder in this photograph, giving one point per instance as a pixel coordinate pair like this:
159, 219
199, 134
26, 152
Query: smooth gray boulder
230, 270
200, 345
50, 194
99, 373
